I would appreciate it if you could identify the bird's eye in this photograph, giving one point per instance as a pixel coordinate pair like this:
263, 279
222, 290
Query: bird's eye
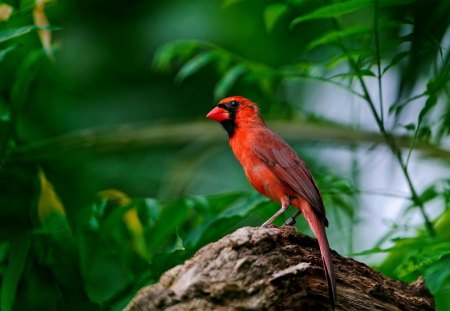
234, 104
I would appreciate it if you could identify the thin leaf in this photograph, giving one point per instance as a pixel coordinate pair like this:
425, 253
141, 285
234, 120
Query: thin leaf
228, 80
6, 51
345, 56
168, 53
272, 14
429, 104
193, 65
361, 72
17, 259
375, 250
26, 74
335, 36
16, 32
429, 194
410, 127
424, 133
365, 72
397, 58
332, 11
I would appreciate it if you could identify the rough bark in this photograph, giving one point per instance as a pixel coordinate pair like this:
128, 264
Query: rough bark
274, 269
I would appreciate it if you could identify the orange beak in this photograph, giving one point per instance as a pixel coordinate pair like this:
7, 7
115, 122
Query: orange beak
218, 114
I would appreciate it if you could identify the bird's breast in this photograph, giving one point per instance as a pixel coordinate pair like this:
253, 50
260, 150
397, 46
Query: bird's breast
260, 176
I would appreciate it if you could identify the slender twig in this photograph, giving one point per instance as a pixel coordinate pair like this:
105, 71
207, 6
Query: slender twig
413, 143
380, 193
397, 152
390, 140
378, 56
411, 99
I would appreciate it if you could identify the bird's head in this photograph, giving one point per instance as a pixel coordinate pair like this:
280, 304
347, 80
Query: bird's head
235, 112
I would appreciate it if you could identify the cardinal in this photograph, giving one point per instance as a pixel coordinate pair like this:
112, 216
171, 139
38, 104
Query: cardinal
275, 170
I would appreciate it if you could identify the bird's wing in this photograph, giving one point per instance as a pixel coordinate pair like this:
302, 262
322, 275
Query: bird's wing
289, 168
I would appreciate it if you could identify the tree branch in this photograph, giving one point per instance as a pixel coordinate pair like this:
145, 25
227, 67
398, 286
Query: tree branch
129, 137
274, 269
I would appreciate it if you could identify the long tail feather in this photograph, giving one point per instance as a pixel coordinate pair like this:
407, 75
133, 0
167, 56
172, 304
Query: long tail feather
318, 228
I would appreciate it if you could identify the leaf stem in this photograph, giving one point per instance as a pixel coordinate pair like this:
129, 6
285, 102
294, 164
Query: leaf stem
390, 140
378, 56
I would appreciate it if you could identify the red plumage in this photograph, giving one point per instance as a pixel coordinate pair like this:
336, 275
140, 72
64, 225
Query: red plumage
275, 170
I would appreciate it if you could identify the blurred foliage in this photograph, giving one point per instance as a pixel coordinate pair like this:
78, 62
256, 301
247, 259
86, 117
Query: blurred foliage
88, 218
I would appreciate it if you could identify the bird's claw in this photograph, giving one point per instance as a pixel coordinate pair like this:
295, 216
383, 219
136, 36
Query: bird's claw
290, 222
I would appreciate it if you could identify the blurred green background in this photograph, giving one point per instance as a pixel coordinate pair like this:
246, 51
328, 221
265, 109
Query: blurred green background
110, 174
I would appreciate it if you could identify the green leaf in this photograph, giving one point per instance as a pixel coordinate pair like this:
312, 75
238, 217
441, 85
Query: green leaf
6, 51
332, 11
15, 32
424, 133
437, 276
429, 104
228, 80
346, 56
26, 75
194, 64
216, 226
166, 55
365, 72
103, 273
148, 212
335, 36
171, 217
361, 73
410, 127
273, 12
178, 245
442, 223
395, 60
427, 257
375, 250
17, 259
52, 215
212, 205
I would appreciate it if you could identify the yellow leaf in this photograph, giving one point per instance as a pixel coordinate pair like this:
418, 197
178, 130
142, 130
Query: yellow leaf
135, 228
5, 12
114, 197
49, 203
40, 20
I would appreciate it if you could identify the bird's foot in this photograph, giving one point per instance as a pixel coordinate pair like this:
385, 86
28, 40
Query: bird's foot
290, 222
266, 224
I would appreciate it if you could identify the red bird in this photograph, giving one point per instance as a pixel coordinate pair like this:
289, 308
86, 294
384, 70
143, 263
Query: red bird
275, 170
